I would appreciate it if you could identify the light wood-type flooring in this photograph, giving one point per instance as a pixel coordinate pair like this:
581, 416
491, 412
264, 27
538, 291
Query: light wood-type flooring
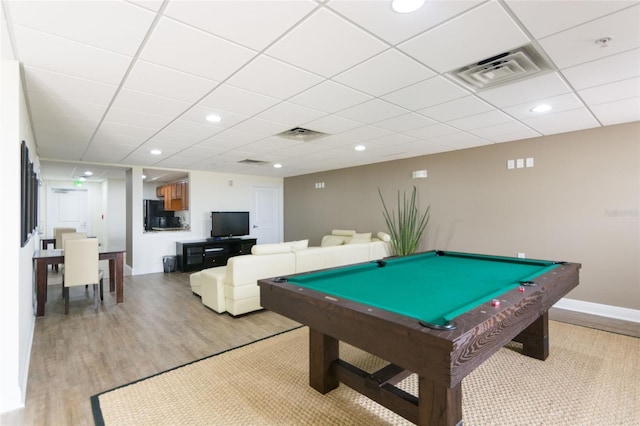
160, 325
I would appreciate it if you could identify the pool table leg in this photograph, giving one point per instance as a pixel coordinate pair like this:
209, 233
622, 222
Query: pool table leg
439, 405
323, 351
535, 338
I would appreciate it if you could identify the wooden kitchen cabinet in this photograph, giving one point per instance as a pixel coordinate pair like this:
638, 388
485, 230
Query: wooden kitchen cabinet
175, 195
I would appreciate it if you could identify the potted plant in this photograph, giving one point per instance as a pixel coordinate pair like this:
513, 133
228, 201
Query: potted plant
406, 228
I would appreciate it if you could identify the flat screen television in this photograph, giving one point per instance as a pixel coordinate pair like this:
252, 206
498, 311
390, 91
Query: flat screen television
229, 224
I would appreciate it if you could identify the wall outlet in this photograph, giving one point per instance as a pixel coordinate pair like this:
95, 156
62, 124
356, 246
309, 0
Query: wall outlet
521, 255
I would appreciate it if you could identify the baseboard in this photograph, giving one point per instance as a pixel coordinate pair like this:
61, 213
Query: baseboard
595, 315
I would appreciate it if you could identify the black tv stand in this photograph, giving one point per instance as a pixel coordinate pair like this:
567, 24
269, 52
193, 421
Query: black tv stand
211, 252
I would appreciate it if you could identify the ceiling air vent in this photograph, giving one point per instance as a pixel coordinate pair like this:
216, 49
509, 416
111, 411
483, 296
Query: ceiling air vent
508, 67
253, 162
301, 135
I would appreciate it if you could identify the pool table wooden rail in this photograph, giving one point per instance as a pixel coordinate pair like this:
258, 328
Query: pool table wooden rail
441, 358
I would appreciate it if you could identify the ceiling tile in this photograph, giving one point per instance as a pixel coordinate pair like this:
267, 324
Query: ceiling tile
52, 53
116, 141
377, 17
232, 99
329, 54
198, 113
578, 45
273, 78
557, 103
460, 141
125, 129
529, 90
169, 83
476, 35
372, 111
153, 5
261, 127
290, 114
43, 101
95, 28
150, 104
68, 87
185, 133
255, 24
505, 132
458, 108
566, 121
405, 122
431, 132
425, 94
478, 121
619, 90
136, 118
364, 133
330, 96
556, 16
618, 112
332, 124
618, 67
193, 51
384, 73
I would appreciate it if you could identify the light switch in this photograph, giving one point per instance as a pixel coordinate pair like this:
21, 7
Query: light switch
511, 164
520, 163
529, 162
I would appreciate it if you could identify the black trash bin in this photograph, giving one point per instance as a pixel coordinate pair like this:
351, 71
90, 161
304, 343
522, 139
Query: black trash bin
169, 263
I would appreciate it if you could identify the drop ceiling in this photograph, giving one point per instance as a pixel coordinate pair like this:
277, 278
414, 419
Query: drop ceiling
108, 81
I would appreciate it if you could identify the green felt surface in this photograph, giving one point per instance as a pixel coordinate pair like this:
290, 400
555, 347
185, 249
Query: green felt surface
430, 288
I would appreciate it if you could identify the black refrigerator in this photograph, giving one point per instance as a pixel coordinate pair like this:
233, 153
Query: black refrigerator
153, 211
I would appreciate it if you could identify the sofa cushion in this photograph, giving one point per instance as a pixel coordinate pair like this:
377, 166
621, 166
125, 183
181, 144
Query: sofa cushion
383, 236
277, 248
343, 232
363, 238
332, 240
299, 245
315, 258
248, 269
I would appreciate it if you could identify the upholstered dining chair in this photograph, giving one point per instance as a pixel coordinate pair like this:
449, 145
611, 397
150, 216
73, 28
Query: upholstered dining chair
57, 234
81, 267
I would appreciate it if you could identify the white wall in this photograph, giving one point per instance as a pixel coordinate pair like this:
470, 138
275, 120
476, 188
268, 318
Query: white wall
207, 192
16, 304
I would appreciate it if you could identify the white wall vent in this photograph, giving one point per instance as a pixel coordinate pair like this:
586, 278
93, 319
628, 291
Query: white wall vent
300, 134
518, 64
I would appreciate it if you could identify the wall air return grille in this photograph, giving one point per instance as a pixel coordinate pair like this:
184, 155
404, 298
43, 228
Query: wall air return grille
522, 63
300, 134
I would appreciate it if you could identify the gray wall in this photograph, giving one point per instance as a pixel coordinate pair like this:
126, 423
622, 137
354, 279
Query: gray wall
580, 202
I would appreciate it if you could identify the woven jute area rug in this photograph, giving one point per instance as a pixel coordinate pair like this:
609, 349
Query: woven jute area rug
591, 377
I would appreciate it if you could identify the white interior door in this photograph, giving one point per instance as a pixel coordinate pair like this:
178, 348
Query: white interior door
266, 224
68, 208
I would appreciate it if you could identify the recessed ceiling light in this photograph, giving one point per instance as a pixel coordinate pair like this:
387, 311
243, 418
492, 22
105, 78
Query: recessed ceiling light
82, 178
360, 147
144, 176
541, 108
214, 118
406, 6
156, 152
277, 165
88, 173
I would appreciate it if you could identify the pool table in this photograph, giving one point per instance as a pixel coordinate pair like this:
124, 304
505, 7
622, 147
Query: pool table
438, 314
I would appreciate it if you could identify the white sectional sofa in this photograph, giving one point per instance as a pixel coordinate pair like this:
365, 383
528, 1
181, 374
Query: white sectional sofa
234, 288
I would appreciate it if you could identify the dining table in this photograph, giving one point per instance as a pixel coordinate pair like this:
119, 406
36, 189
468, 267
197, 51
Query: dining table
43, 258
